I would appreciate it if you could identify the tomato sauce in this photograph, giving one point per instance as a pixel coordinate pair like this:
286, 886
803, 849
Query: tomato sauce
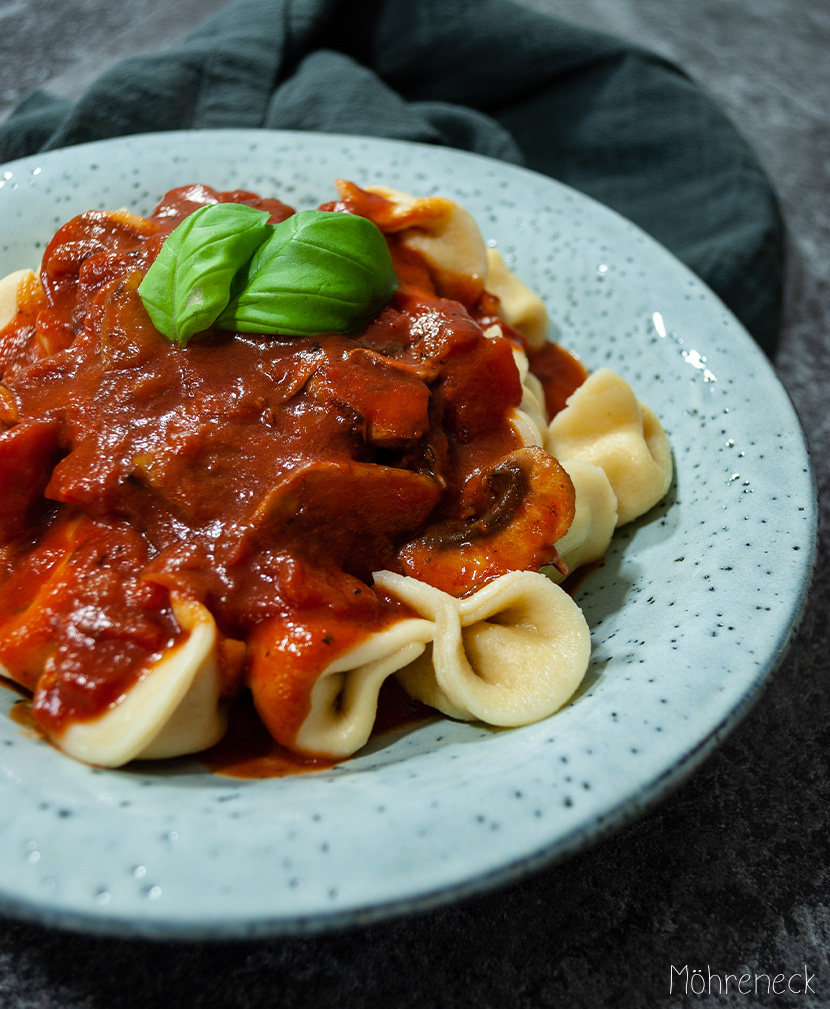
248, 750
266, 477
560, 373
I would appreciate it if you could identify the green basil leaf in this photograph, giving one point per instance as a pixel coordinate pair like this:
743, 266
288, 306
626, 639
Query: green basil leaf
317, 272
188, 284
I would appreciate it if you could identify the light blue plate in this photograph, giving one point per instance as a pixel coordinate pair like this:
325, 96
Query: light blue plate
693, 610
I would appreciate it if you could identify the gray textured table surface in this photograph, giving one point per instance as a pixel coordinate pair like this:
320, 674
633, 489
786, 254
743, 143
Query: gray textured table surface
732, 870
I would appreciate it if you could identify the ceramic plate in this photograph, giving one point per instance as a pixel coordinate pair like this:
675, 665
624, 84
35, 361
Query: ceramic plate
692, 610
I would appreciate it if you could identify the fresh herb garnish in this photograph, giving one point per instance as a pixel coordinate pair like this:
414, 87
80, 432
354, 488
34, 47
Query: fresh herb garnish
316, 272
188, 285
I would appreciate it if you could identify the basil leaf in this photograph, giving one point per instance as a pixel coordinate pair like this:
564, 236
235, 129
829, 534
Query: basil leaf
317, 272
188, 284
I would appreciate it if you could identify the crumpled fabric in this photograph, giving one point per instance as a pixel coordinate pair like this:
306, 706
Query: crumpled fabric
610, 119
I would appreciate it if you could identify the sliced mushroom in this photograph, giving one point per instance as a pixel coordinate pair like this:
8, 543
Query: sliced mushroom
299, 509
515, 513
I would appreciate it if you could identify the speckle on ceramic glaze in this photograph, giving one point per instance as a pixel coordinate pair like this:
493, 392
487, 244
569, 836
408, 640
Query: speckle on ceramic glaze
686, 624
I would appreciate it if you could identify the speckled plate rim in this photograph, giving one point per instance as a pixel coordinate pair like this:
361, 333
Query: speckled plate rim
645, 791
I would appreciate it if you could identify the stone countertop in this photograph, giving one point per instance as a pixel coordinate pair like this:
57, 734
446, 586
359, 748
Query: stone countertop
731, 871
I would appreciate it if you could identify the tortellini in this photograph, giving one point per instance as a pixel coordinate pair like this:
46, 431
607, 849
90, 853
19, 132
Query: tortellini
595, 517
174, 709
344, 699
12, 288
532, 407
442, 231
510, 653
448, 238
603, 423
518, 305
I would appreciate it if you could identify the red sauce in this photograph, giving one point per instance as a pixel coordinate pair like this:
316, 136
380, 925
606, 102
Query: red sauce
21, 714
560, 373
248, 750
265, 477
577, 578
397, 710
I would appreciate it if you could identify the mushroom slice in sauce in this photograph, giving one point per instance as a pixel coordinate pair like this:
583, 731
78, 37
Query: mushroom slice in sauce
517, 510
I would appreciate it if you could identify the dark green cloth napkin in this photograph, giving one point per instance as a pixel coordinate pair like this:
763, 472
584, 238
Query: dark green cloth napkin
490, 76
